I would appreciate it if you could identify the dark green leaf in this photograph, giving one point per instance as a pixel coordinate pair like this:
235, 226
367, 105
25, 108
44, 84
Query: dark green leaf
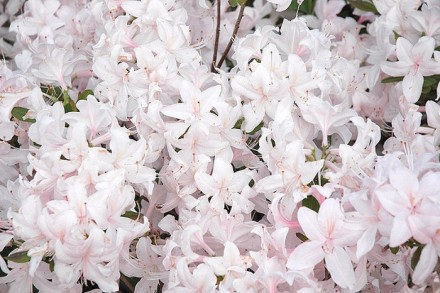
302, 237
426, 90
239, 123
131, 215
220, 279
392, 79
55, 92
293, 6
416, 257
52, 265
68, 108
19, 113
311, 202
83, 95
394, 250
306, 7
256, 129
429, 81
235, 3
69, 104
229, 63
363, 5
19, 257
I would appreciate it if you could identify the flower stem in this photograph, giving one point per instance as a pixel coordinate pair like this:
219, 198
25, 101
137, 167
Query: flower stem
217, 37
127, 283
231, 41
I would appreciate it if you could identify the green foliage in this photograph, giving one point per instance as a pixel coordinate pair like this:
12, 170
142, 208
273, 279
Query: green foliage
239, 123
220, 279
306, 7
416, 257
363, 5
68, 103
302, 237
131, 215
235, 3
55, 93
52, 265
311, 202
394, 250
430, 83
83, 95
392, 79
256, 129
19, 257
19, 113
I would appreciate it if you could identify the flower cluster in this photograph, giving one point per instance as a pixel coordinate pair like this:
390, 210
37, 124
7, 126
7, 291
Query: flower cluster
219, 146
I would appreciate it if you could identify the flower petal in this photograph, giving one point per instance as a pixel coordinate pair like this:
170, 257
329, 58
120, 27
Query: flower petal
412, 85
426, 264
305, 256
308, 220
340, 267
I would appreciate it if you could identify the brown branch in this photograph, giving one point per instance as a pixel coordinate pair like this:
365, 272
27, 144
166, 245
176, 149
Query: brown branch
234, 34
217, 37
127, 283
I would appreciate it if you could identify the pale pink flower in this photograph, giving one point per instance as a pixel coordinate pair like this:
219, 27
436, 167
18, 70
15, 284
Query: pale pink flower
95, 257
327, 118
328, 236
201, 279
411, 201
415, 62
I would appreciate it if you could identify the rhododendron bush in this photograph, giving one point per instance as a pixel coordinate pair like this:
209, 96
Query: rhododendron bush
219, 146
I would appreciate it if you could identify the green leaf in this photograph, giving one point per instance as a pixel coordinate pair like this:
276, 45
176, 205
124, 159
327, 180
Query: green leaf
220, 279
256, 129
229, 63
363, 5
428, 82
69, 104
306, 7
392, 79
19, 257
311, 202
19, 113
431, 81
416, 257
302, 237
235, 3
394, 250
51, 265
293, 6
426, 90
54, 92
131, 215
239, 123
83, 95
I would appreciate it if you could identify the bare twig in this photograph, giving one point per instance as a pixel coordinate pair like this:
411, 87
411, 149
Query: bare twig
127, 283
234, 34
217, 37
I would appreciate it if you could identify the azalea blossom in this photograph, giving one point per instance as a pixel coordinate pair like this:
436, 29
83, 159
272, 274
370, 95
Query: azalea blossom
415, 62
132, 160
328, 235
